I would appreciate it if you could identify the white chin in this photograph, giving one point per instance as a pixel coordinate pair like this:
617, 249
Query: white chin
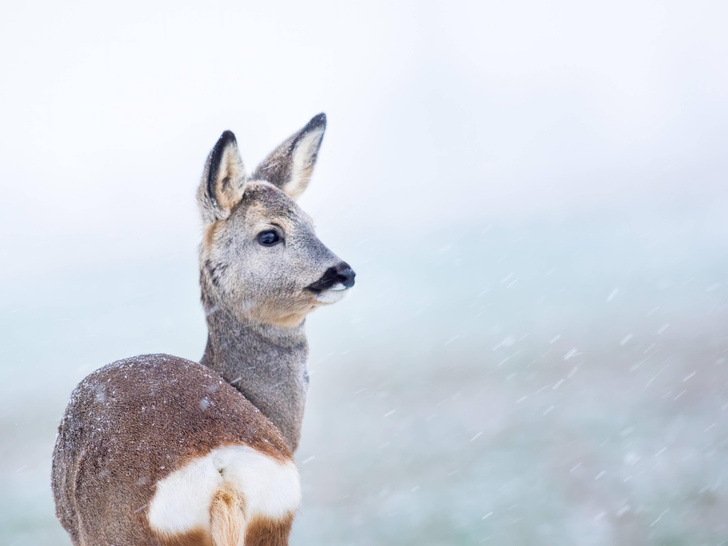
336, 293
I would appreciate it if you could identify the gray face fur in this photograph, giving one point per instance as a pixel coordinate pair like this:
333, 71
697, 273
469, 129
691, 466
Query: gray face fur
276, 284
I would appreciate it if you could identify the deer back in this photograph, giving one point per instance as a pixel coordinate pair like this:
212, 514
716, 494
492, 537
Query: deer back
144, 446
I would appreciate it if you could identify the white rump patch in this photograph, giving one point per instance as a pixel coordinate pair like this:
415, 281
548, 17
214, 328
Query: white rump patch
182, 501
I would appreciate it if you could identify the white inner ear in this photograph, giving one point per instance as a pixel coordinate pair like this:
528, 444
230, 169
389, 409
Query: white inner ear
233, 164
303, 162
232, 168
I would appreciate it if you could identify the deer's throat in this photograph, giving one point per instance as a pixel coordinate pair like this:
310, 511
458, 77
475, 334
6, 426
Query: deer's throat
267, 364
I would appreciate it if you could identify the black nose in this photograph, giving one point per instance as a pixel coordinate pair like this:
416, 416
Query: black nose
345, 274
339, 274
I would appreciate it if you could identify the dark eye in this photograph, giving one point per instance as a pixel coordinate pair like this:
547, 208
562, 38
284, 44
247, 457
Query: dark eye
268, 238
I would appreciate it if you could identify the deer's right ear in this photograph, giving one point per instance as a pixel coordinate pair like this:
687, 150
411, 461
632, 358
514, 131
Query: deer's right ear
223, 180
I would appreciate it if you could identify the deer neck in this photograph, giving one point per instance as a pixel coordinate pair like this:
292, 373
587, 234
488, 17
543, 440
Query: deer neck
267, 364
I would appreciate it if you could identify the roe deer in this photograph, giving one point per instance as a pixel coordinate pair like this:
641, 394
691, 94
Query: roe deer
159, 450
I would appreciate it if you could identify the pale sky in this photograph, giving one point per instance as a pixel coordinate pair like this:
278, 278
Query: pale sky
439, 113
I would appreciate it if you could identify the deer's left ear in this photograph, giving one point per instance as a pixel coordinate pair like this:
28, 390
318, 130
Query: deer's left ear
290, 165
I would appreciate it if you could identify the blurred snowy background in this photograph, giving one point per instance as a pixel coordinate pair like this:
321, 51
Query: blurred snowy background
533, 195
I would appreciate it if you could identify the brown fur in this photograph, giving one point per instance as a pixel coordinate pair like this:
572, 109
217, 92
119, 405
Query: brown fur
131, 423
194, 538
268, 532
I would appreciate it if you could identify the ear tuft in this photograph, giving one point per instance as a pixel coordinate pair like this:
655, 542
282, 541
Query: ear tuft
290, 165
317, 121
223, 179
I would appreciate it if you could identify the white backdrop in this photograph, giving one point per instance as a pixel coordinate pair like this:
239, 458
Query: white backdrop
577, 148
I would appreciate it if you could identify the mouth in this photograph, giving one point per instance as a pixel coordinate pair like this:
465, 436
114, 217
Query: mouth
331, 295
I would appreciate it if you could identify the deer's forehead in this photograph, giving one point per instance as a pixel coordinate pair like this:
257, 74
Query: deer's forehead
264, 203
